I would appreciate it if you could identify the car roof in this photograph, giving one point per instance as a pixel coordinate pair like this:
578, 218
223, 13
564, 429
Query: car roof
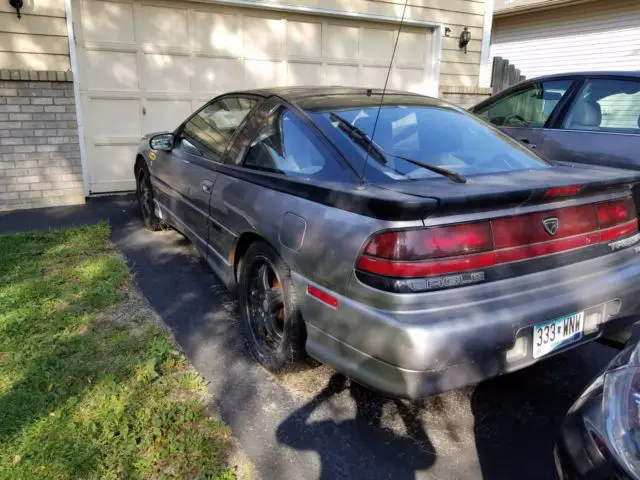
336, 98
606, 73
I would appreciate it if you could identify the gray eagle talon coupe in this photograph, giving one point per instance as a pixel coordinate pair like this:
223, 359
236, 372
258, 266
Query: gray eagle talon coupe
401, 240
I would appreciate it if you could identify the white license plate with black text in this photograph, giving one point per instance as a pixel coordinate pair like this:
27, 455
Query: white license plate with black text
558, 333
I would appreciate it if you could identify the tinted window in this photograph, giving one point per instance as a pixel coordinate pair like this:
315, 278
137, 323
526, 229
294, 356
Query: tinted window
438, 136
606, 105
286, 146
208, 133
530, 107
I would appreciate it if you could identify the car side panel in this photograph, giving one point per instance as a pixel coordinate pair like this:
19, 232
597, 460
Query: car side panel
332, 238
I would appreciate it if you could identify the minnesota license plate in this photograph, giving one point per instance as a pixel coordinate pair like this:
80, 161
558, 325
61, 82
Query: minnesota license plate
555, 334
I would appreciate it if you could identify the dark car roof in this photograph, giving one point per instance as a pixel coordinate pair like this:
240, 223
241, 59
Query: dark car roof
336, 98
611, 73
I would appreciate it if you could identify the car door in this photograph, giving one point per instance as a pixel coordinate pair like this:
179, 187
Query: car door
200, 144
601, 126
523, 112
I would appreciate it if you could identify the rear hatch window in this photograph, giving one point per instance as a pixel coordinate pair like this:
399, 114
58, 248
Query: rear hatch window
439, 136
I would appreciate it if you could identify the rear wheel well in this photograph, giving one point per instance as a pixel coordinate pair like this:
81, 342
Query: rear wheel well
244, 242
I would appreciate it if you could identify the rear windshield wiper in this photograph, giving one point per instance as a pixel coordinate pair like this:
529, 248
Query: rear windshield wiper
364, 141
360, 138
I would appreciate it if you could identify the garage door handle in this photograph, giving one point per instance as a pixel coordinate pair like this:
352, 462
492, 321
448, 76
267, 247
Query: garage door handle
206, 186
528, 143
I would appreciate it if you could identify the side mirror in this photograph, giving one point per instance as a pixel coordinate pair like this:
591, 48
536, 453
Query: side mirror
163, 141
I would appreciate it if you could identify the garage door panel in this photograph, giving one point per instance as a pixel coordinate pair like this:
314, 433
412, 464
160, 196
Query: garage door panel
113, 117
374, 77
304, 39
262, 36
166, 73
412, 48
304, 74
218, 32
264, 73
341, 42
376, 44
342, 75
407, 79
104, 70
107, 22
164, 26
165, 115
213, 75
111, 167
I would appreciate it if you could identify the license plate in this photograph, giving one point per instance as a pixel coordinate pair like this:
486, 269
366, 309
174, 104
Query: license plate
558, 333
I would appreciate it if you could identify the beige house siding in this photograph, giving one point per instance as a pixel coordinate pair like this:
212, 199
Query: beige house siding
588, 36
38, 41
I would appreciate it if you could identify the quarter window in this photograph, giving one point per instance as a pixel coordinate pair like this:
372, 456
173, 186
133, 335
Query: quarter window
286, 146
528, 108
209, 131
606, 105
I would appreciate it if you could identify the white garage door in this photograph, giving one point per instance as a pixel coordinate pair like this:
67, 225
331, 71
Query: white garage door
144, 66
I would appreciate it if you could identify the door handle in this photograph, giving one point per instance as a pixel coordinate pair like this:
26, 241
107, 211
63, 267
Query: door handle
206, 186
527, 142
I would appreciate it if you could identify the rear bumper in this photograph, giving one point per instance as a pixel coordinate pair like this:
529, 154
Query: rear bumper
462, 336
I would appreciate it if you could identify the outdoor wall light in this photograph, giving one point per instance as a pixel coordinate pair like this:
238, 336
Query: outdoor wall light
465, 38
17, 4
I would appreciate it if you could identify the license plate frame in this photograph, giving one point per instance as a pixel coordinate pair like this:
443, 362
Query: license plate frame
558, 333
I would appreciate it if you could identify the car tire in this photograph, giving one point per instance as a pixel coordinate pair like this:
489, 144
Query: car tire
275, 336
144, 192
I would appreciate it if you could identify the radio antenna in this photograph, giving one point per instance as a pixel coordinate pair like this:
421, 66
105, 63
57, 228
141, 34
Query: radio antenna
384, 90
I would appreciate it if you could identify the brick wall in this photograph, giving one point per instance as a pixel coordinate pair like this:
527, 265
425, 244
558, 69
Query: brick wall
39, 149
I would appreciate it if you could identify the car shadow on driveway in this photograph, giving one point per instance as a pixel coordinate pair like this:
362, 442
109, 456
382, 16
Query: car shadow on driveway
309, 428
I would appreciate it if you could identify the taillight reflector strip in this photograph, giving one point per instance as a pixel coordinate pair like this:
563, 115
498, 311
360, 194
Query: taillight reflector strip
425, 269
620, 231
547, 248
323, 296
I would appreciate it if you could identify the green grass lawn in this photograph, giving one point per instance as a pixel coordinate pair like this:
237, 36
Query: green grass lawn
90, 385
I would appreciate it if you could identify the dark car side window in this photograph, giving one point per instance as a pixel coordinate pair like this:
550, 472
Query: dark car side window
209, 131
285, 145
527, 108
607, 105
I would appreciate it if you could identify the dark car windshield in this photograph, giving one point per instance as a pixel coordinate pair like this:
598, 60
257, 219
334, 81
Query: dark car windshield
438, 136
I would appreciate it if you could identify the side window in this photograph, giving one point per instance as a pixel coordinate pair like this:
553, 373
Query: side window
209, 131
528, 108
607, 105
286, 146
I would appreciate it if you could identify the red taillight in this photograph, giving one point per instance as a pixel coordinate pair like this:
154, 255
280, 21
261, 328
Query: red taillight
528, 229
615, 213
473, 246
555, 192
432, 243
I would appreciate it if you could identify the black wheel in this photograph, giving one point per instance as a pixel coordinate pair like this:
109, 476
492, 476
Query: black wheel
271, 320
144, 192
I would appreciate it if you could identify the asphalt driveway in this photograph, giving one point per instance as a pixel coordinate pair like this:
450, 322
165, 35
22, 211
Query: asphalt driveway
314, 423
